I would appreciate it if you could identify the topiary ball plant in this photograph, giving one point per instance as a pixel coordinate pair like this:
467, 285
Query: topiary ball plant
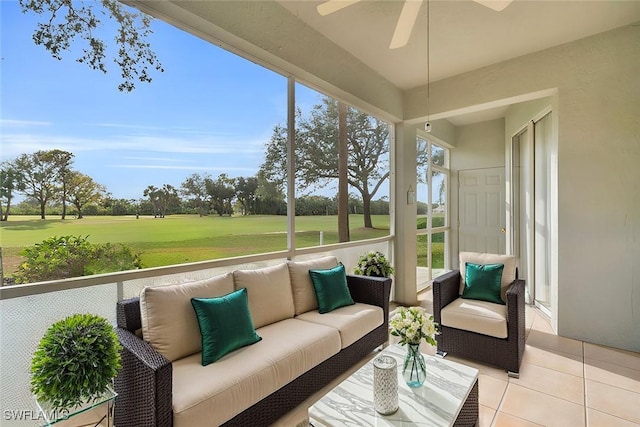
75, 362
374, 264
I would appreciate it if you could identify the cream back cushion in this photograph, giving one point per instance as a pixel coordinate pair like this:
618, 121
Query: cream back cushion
508, 273
304, 296
269, 292
169, 322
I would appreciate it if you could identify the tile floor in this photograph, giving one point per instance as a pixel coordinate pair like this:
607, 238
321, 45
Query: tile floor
563, 382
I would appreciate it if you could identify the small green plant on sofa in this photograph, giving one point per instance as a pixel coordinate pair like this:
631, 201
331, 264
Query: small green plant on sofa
374, 264
75, 362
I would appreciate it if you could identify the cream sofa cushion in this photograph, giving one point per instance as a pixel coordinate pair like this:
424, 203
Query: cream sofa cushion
304, 296
477, 316
213, 394
508, 273
169, 322
269, 291
353, 321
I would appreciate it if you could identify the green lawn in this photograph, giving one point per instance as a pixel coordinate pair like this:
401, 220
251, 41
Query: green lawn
179, 239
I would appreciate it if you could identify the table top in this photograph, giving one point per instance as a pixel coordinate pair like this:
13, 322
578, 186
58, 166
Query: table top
52, 416
437, 403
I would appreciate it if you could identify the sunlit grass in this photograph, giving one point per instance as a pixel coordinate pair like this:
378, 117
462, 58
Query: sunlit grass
178, 239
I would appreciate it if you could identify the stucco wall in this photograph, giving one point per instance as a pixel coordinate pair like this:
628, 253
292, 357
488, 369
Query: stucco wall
598, 152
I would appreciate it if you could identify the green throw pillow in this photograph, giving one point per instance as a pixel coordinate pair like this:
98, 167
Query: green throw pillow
331, 288
482, 282
225, 324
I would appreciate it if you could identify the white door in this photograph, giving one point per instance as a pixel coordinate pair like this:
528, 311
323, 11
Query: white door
481, 211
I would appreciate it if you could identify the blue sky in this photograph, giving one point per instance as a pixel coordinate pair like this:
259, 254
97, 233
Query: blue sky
209, 112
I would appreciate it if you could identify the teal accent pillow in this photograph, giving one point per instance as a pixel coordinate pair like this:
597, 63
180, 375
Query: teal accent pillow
483, 282
225, 324
331, 288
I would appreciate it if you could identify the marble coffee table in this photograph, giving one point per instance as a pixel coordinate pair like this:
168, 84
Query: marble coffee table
448, 397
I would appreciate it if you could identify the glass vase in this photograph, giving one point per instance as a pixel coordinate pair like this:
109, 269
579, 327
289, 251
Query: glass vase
414, 370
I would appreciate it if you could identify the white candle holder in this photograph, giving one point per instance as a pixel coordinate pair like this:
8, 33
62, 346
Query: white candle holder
385, 385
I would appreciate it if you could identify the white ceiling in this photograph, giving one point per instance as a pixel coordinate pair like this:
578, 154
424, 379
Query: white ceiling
464, 34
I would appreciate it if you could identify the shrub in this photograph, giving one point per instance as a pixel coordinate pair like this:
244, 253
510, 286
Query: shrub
75, 361
70, 256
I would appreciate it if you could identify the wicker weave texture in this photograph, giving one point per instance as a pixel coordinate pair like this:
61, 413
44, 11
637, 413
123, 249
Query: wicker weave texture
470, 413
505, 353
144, 385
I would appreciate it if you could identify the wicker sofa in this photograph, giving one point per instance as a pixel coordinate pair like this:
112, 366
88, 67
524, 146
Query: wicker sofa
163, 383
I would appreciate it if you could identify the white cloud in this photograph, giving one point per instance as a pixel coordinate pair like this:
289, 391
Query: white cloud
185, 167
22, 123
15, 144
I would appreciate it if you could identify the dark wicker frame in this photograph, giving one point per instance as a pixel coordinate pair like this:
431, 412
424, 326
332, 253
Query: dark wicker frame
144, 384
505, 353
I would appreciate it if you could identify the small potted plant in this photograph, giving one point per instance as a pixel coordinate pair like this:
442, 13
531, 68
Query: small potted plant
75, 362
375, 264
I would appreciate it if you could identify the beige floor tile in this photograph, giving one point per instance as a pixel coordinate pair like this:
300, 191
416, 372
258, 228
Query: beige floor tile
506, 420
552, 359
540, 408
554, 383
628, 359
542, 324
615, 375
550, 341
491, 390
613, 400
600, 419
529, 316
486, 416
489, 370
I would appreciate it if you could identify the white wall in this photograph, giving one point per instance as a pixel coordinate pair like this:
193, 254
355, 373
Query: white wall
597, 156
477, 146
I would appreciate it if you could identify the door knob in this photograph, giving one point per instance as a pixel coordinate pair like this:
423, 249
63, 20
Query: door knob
504, 230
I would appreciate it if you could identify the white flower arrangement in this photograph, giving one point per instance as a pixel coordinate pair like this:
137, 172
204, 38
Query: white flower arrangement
375, 264
412, 324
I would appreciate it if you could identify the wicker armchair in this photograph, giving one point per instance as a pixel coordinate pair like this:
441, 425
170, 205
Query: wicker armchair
503, 352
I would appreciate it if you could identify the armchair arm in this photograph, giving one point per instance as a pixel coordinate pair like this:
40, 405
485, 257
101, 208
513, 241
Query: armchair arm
516, 308
144, 384
446, 288
371, 290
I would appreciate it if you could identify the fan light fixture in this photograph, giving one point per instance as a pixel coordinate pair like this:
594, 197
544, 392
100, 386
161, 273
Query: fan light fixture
407, 18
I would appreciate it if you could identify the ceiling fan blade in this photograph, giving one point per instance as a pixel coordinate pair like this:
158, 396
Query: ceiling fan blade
497, 5
406, 21
331, 6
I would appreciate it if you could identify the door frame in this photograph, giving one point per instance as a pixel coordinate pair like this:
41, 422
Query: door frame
510, 214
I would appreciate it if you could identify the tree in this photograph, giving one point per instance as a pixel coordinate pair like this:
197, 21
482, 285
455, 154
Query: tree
194, 189
317, 147
270, 198
153, 193
64, 21
163, 200
39, 174
83, 190
62, 162
246, 193
221, 192
10, 181
343, 173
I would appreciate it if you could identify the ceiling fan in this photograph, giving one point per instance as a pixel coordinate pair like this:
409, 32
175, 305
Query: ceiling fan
407, 18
